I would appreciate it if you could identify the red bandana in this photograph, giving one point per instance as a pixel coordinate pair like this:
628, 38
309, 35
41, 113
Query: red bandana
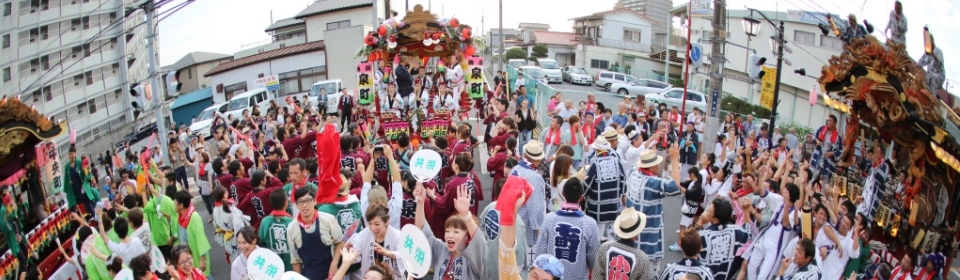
279, 213
833, 136
573, 137
553, 137
590, 132
196, 275
184, 218
293, 189
305, 224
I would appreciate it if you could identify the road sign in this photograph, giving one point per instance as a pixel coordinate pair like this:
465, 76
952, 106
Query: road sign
272, 82
696, 55
767, 87
701, 8
714, 100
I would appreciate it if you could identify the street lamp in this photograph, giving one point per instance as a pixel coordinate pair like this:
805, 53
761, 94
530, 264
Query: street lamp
751, 26
776, 43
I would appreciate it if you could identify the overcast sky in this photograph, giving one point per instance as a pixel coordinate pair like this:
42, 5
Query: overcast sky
223, 26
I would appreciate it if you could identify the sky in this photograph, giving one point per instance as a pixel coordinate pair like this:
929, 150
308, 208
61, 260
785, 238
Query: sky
227, 26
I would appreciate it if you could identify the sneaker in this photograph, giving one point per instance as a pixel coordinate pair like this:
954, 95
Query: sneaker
674, 248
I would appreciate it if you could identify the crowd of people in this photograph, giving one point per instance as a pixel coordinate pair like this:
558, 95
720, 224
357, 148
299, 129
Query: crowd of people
582, 198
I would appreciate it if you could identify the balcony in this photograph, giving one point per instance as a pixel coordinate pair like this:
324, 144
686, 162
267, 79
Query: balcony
619, 44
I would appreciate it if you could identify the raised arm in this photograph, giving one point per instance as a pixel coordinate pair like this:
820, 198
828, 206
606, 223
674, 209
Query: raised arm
421, 194
394, 167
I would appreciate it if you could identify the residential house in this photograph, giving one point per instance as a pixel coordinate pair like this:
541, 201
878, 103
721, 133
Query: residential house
561, 46
526, 30
192, 67
511, 38
613, 37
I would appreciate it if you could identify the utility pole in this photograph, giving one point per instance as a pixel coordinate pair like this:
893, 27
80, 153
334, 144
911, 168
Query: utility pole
155, 87
776, 86
387, 13
716, 79
503, 52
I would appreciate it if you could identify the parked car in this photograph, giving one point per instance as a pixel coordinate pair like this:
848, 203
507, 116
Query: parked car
674, 97
517, 62
643, 86
552, 70
533, 72
202, 125
245, 101
575, 75
329, 86
605, 79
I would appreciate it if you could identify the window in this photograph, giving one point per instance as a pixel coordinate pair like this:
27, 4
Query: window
92, 106
89, 77
338, 24
803, 37
631, 35
86, 23
599, 64
80, 108
6, 41
6, 74
189, 73
234, 89
675, 94
694, 97
301, 81
7, 9
831, 42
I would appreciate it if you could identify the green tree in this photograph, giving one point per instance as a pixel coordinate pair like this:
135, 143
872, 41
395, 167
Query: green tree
534, 60
539, 51
516, 53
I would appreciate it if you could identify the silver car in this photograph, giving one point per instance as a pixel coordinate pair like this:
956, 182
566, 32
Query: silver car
576, 75
674, 97
639, 87
605, 79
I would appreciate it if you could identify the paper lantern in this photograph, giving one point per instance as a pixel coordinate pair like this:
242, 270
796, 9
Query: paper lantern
382, 30
73, 135
369, 40
454, 22
470, 50
813, 97
435, 37
466, 33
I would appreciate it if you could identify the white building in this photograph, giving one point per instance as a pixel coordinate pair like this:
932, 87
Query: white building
73, 60
611, 38
658, 11
561, 46
299, 53
811, 50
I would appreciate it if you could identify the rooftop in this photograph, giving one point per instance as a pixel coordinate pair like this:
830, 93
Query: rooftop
266, 56
600, 15
195, 58
524, 25
327, 6
555, 38
283, 23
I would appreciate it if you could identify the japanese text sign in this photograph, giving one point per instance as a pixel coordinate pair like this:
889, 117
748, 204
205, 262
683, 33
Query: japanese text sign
767, 87
392, 130
425, 165
365, 83
264, 264
415, 249
475, 77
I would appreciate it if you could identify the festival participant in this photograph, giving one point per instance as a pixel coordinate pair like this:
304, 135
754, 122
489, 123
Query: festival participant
457, 256
807, 268
227, 221
78, 189
403, 67
646, 191
346, 209
605, 187
142, 231
129, 245
690, 263
313, 237
256, 203
378, 244
506, 128
829, 143
620, 258
178, 160
399, 185
932, 267
692, 191
552, 136
689, 146
345, 107
141, 268
192, 236
443, 204
847, 249
297, 181
273, 228
569, 235
247, 241
526, 121
766, 249
496, 163
721, 258
445, 100
875, 185
183, 265
394, 103
573, 136
490, 219
239, 185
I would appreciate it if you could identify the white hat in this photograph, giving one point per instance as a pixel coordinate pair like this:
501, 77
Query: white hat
648, 158
533, 150
601, 144
633, 135
630, 223
610, 134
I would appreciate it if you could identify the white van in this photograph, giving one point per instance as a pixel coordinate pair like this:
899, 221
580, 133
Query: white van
202, 125
552, 70
245, 101
331, 88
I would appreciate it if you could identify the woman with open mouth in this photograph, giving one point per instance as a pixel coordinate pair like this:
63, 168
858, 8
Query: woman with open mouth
454, 257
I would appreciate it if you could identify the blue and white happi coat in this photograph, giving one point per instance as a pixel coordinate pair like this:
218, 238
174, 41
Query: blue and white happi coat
572, 238
533, 211
646, 193
720, 244
873, 189
819, 161
605, 186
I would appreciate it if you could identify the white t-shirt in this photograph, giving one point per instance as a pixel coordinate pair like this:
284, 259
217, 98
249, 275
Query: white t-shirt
127, 251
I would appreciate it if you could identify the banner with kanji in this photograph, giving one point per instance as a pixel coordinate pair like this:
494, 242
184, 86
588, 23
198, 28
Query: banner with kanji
435, 127
392, 130
365, 90
475, 77
767, 87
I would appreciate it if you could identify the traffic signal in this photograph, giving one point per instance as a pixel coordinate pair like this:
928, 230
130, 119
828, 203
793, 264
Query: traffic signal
756, 70
137, 102
173, 83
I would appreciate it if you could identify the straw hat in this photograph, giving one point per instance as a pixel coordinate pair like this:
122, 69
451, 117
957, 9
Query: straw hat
610, 134
630, 223
648, 158
533, 150
600, 144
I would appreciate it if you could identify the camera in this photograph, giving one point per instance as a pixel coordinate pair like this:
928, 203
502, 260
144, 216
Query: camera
378, 149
